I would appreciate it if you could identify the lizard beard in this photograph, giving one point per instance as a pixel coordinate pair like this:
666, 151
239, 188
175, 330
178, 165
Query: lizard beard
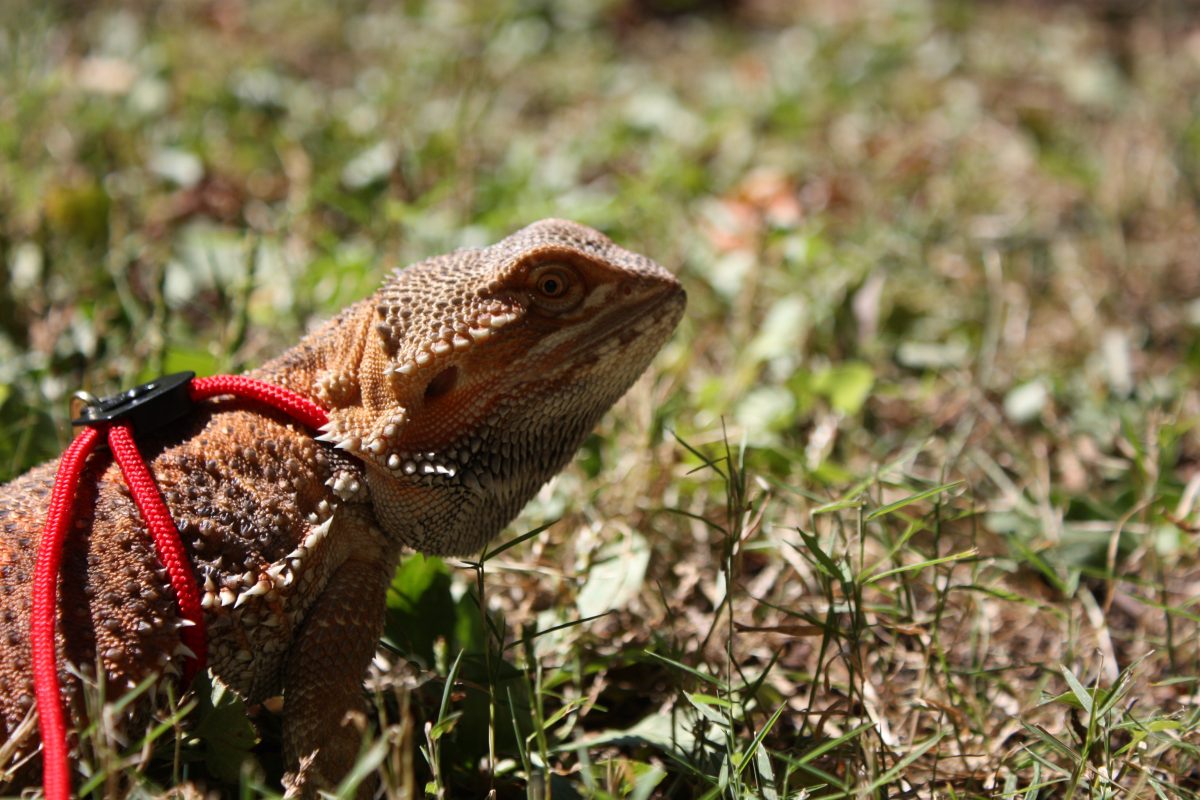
456, 511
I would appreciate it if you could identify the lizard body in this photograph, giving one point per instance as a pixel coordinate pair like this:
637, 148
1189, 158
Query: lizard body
454, 393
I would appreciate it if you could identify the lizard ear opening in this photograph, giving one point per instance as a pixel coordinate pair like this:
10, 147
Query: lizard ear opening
442, 383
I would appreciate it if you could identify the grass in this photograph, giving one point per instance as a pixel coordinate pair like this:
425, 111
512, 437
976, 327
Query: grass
907, 508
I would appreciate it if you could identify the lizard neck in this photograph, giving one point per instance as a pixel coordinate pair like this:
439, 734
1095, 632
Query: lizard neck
336, 347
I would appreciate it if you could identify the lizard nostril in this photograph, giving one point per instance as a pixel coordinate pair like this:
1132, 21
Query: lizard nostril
443, 382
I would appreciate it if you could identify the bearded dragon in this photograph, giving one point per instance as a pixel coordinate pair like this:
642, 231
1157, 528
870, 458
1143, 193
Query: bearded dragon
460, 387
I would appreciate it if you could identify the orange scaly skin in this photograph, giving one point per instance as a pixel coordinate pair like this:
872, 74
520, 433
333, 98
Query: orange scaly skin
455, 392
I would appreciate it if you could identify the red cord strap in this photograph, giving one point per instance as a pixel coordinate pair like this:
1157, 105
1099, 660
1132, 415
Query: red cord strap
56, 780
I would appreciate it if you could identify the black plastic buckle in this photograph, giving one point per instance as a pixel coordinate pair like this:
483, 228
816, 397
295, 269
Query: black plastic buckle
147, 407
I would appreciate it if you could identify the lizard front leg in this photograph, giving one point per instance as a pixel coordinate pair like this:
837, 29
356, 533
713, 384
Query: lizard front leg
324, 669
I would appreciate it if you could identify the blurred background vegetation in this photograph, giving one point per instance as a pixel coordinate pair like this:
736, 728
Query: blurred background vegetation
908, 507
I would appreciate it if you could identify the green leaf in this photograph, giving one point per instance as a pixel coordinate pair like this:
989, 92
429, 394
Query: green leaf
649, 776
703, 704
847, 385
489, 554
420, 607
920, 565
416, 575
760, 736
187, 359
912, 498
703, 676
782, 331
227, 733
838, 505
917, 751
616, 575
1081, 692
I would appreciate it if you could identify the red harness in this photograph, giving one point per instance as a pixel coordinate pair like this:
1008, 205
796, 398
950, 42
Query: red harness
116, 417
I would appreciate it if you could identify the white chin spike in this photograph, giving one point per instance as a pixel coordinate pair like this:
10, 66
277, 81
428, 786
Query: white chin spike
262, 587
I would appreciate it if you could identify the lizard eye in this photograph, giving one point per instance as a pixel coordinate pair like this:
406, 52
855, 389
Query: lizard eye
557, 287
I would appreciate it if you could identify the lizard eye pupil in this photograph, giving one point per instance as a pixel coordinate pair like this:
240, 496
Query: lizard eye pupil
552, 285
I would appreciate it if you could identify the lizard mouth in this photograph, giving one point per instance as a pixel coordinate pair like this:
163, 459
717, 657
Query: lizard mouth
628, 324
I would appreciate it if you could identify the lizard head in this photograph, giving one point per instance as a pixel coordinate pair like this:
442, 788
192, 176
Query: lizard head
484, 370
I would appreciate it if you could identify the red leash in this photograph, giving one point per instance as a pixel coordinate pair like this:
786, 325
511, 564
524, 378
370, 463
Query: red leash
148, 406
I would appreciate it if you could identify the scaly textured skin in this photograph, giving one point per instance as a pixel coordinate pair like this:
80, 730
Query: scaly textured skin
455, 392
